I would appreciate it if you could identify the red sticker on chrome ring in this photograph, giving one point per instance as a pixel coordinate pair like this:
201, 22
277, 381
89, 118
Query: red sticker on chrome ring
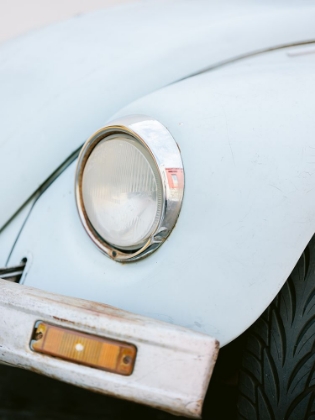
175, 178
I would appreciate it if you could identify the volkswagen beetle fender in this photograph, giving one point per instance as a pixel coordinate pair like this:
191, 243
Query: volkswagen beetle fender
246, 135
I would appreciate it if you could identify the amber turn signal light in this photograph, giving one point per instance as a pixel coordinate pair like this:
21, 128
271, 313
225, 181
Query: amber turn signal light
85, 349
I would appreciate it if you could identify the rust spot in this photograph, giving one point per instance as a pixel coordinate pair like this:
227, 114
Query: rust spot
195, 408
63, 320
217, 348
94, 307
39, 371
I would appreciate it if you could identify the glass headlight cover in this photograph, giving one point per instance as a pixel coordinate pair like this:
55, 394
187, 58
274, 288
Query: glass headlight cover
122, 192
129, 187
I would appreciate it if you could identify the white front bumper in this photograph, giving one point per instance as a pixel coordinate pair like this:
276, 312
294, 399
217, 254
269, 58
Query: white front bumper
173, 365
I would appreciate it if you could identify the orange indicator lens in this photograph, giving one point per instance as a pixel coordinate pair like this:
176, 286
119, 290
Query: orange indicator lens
85, 349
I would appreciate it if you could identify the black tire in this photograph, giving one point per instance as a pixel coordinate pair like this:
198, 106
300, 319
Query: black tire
277, 377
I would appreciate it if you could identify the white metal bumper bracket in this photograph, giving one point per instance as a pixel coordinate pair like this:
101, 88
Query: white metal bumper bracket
173, 365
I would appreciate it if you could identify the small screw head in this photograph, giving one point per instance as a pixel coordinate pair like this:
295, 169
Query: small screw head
126, 360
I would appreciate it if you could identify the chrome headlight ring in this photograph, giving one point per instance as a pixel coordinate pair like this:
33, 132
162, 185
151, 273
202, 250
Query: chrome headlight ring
157, 146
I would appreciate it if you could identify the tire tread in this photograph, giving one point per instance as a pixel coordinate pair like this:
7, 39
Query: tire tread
277, 377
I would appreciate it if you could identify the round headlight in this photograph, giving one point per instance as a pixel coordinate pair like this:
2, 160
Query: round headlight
129, 187
122, 192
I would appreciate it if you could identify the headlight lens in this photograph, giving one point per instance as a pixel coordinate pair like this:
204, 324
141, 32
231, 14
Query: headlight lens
129, 187
122, 192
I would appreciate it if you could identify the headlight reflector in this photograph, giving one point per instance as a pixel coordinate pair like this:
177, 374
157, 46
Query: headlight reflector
122, 192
